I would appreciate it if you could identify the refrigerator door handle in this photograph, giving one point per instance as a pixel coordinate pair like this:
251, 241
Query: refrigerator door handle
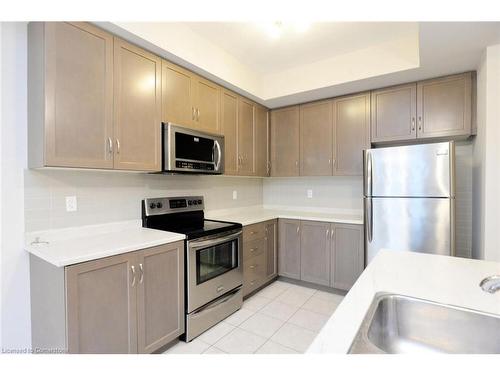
369, 220
368, 173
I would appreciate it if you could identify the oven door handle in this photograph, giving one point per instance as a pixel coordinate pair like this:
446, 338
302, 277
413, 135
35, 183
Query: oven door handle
212, 242
219, 155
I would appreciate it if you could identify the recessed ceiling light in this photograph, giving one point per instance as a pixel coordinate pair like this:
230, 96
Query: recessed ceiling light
276, 29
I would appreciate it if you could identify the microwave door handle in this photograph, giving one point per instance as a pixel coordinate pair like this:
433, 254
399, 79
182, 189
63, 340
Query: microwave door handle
219, 154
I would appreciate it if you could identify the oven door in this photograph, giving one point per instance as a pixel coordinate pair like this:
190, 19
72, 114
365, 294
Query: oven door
187, 150
213, 268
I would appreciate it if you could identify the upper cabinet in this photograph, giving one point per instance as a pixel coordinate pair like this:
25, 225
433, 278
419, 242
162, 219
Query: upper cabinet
206, 105
262, 164
177, 95
70, 100
285, 135
394, 113
229, 127
246, 137
137, 108
316, 123
436, 108
444, 106
351, 133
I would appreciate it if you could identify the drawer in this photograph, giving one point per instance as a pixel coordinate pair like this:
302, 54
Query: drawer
253, 248
254, 271
254, 231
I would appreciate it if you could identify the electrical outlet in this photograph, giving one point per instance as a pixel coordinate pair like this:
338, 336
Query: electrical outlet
235, 194
309, 193
71, 205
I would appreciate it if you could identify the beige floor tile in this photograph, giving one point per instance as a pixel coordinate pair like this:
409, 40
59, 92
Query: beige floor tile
303, 289
262, 325
256, 303
213, 350
240, 341
279, 310
272, 291
294, 337
329, 296
320, 305
309, 319
239, 316
194, 347
294, 297
215, 333
271, 347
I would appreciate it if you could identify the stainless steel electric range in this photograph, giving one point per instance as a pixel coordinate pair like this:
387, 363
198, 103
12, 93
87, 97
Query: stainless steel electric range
213, 250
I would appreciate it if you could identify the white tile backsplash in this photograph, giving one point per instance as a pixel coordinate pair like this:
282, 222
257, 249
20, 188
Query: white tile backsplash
106, 196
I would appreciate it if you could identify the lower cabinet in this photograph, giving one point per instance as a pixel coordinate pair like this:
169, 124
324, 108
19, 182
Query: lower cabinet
259, 255
128, 303
329, 254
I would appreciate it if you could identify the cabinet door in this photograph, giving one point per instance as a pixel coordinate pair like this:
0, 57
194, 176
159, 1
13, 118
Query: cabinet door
285, 136
315, 251
207, 105
261, 142
229, 117
101, 306
246, 134
177, 95
348, 255
78, 95
137, 122
271, 249
394, 113
289, 248
316, 139
160, 296
351, 133
444, 106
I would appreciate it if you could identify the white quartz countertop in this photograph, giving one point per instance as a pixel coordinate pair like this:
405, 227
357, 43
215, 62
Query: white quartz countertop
64, 247
252, 215
443, 279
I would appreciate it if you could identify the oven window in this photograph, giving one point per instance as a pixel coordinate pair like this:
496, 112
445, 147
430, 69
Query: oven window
193, 147
216, 260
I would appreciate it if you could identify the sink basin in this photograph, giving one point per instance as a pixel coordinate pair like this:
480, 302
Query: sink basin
398, 324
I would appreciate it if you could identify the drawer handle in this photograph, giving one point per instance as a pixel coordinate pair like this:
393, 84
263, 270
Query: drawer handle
253, 249
253, 232
132, 268
252, 282
253, 266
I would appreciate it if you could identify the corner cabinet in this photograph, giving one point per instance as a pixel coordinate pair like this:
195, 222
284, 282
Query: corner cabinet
128, 303
285, 142
323, 253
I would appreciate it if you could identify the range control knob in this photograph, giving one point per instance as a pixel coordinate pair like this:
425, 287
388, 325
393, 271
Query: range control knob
159, 205
152, 205
190, 203
199, 201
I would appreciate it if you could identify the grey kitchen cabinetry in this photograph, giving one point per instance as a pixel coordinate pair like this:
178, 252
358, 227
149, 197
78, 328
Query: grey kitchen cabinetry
289, 253
285, 142
347, 259
329, 254
262, 164
351, 133
436, 108
259, 255
315, 252
70, 95
127, 303
246, 137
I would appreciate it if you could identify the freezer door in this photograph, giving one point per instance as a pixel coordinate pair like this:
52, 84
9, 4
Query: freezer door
425, 225
410, 171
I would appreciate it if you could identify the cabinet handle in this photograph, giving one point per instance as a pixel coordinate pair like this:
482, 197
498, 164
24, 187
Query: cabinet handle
110, 144
253, 249
141, 278
329, 161
333, 234
419, 122
297, 230
252, 266
413, 124
193, 113
327, 233
117, 146
133, 275
197, 114
296, 163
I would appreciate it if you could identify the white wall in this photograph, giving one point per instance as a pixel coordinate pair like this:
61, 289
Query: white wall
116, 196
340, 194
14, 260
486, 158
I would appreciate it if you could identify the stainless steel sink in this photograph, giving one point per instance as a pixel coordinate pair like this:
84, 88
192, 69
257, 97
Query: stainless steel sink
399, 324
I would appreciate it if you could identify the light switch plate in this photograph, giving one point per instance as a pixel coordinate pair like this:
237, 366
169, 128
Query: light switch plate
309, 193
235, 194
71, 204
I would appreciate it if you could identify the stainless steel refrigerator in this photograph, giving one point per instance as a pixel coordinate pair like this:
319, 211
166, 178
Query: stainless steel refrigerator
409, 199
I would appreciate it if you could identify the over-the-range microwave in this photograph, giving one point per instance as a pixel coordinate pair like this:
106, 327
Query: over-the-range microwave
191, 151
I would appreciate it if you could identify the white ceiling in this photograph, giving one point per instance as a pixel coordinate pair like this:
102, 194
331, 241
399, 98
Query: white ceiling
326, 60
252, 44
